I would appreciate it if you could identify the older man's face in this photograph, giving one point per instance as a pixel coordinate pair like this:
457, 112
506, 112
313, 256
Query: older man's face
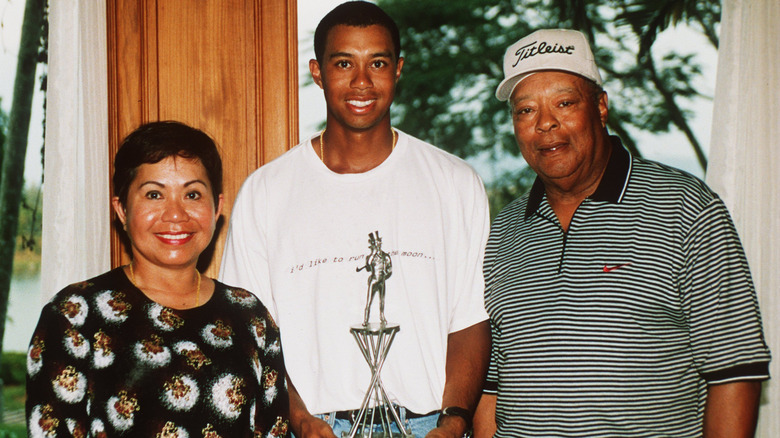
560, 129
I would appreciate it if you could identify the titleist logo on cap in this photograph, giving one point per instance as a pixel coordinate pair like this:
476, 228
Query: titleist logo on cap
537, 48
563, 50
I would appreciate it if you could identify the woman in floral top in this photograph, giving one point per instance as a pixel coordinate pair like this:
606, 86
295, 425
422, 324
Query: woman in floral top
154, 349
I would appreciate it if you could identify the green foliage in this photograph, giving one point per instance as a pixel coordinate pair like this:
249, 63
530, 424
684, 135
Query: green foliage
29, 228
15, 397
651, 17
13, 369
508, 187
452, 68
13, 431
453, 64
12, 180
3, 132
27, 257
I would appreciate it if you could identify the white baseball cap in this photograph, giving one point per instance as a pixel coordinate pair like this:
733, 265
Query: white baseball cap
547, 49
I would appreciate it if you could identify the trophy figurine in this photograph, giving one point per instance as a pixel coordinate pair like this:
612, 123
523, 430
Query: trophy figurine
377, 413
380, 268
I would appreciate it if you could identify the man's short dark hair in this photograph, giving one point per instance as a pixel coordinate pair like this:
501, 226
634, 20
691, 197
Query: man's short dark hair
595, 90
357, 14
152, 142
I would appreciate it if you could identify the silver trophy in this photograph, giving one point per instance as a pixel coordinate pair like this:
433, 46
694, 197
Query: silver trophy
377, 413
380, 268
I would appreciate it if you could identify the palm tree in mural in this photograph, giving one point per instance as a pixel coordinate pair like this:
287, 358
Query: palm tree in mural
15, 147
648, 18
453, 65
652, 17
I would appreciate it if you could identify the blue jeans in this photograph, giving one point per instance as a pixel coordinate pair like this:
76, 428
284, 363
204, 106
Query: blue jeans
419, 427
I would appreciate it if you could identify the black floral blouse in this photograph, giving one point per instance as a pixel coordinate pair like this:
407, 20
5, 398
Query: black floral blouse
106, 361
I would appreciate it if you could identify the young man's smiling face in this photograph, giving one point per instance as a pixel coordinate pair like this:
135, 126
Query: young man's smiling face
358, 75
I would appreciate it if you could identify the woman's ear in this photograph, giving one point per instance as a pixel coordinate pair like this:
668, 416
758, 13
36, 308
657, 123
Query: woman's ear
119, 209
220, 204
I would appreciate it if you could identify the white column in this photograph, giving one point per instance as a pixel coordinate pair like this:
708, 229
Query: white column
744, 161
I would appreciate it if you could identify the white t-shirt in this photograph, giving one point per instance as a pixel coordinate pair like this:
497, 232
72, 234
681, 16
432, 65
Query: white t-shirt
298, 233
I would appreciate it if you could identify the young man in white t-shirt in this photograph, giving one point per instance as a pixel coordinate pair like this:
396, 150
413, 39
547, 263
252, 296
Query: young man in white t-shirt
299, 231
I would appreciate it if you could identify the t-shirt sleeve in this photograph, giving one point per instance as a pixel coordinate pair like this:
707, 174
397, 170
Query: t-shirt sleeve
470, 285
720, 301
245, 258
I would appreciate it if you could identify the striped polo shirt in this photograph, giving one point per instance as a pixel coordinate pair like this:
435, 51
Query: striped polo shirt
616, 327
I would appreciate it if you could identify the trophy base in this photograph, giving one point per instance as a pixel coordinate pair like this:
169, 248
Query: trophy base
374, 340
378, 435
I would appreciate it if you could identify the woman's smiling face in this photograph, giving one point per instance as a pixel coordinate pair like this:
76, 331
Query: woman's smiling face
170, 214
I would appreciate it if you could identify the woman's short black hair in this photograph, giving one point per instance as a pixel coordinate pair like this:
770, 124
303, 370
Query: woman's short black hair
357, 14
152, 142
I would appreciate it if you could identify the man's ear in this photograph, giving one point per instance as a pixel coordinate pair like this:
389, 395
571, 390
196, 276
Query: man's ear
603, 108
399, 66
316, 73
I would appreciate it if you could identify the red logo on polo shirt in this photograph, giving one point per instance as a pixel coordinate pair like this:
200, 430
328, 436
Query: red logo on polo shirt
612, 268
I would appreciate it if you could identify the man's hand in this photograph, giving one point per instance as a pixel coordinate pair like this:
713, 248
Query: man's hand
302, 423
468, 353
313, 427
485, 417
451, 427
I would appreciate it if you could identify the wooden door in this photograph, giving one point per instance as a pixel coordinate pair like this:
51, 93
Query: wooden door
227, 67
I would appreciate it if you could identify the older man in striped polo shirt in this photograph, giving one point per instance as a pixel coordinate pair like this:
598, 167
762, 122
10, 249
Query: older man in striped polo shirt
620, 298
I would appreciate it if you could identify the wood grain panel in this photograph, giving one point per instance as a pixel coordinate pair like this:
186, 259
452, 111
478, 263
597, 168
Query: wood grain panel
278, 92
228, 67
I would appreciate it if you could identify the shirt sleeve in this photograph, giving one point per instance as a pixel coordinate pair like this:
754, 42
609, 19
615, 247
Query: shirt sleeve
57, 383
720, 301
491, 383
245, 258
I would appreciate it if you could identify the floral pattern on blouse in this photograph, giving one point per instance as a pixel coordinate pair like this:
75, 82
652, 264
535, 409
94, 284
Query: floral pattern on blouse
106, 361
